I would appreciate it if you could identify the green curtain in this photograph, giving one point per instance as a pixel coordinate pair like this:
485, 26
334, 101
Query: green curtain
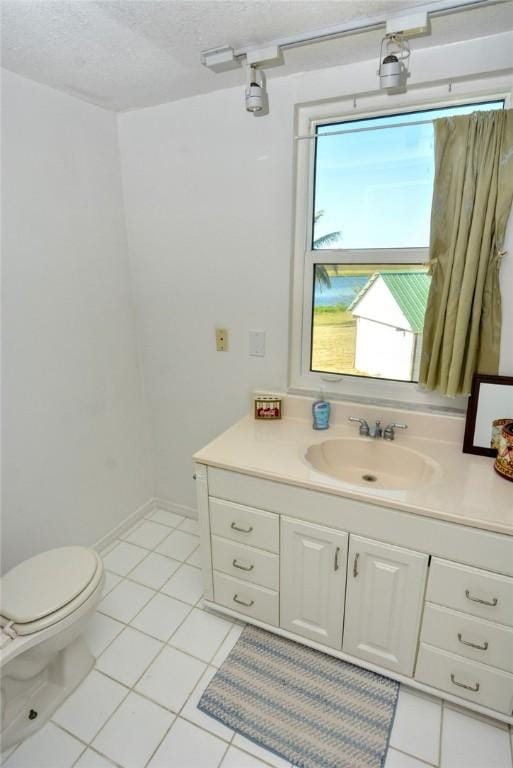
472, 197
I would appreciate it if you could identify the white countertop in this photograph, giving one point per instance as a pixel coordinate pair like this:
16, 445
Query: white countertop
467, 491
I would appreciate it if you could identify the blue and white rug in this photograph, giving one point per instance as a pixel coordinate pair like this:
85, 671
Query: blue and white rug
310, 708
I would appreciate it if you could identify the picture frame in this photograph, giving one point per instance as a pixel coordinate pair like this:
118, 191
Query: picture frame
491, 399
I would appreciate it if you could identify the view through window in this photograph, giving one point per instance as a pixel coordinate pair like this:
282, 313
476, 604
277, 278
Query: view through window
371, 215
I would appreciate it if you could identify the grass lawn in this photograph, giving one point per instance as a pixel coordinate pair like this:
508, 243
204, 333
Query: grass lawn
334, 336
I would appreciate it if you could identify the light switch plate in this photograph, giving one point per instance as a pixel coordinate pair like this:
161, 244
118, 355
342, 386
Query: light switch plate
257, 343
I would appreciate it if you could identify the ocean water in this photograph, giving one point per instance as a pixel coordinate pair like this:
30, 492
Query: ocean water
343, 290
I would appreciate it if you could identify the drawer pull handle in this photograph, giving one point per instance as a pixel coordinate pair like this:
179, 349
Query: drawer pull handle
493, 602
236, 599
483, 647
242, 567
337, 553
474, 688
241, 530
355, 565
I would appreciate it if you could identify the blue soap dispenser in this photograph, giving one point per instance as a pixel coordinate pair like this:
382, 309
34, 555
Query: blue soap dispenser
321, 412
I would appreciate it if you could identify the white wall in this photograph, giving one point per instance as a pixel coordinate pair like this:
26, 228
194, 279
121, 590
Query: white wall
207, 195
209, 200
75, 460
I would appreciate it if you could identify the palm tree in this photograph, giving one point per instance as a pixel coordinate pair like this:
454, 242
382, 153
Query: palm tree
321, 273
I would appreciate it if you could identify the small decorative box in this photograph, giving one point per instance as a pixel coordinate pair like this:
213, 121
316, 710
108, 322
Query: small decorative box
267, 407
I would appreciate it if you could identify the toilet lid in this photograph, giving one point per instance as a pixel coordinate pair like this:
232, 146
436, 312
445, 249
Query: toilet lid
45, 583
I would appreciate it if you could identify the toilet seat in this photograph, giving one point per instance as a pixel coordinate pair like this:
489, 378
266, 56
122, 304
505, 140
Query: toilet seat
47, 588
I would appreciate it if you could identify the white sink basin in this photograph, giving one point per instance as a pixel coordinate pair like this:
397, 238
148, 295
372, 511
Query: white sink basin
374, 463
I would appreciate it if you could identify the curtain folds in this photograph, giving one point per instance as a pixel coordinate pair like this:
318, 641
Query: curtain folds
472, 197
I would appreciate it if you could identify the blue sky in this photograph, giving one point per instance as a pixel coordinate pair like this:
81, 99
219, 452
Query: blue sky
375, 187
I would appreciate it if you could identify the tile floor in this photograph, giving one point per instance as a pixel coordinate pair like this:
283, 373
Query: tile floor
150, 629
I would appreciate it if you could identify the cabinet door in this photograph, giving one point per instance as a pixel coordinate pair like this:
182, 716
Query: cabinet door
385, 593
312, 581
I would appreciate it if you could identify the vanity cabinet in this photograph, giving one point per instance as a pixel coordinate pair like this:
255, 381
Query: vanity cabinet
385, 592
313, 581
424, 601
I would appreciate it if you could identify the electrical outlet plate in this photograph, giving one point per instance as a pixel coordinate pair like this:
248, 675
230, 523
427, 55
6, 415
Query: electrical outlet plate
222, 339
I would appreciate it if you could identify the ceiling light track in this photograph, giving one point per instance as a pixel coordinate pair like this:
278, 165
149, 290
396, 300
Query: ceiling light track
394, 53
439, 8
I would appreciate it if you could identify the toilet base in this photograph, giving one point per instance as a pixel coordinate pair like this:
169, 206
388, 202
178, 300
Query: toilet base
32, 702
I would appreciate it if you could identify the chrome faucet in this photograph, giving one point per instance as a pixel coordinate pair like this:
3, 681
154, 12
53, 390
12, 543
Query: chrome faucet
389, 432
377, 431
367, 431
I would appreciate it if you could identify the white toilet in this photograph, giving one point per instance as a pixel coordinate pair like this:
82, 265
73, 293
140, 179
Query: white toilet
45, 603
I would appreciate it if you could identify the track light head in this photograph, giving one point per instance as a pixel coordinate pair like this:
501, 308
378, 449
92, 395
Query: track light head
393, 63
254, 94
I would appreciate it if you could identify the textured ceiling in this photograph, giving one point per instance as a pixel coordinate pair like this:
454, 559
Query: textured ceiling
126, 54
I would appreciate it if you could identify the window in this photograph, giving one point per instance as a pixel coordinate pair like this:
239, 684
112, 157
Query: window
365, 240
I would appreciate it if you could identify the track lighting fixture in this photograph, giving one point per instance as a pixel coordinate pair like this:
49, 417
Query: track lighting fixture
394, 60
254, 94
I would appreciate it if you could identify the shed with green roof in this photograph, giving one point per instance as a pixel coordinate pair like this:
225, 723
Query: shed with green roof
389, 313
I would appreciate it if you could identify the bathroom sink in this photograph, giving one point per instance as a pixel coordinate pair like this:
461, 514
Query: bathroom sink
375, 463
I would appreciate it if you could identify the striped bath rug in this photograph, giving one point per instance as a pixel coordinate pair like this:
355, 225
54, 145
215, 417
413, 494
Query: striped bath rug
307, 707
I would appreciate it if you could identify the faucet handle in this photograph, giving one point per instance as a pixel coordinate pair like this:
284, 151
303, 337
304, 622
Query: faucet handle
389, 431
364, 427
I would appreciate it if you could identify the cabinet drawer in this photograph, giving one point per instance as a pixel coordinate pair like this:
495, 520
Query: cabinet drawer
472, 681
467, 636
470, 590
246, 563
244, 524
258, 602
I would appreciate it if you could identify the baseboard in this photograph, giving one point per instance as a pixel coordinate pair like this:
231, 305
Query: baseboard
124, 525
178, 509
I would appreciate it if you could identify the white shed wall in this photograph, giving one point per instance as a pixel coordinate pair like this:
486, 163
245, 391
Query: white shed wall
383, 351
379, 304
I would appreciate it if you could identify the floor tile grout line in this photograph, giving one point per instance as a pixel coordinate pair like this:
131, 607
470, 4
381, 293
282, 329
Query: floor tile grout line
442, 723
176, 716
153, 550
166, 642
156, 591
180, 715
168, 731
90, 742
159, 589
221, 761
414, 757
191, 606
148, 550
132, 689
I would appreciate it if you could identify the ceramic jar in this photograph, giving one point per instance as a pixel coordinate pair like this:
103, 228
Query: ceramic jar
504, 461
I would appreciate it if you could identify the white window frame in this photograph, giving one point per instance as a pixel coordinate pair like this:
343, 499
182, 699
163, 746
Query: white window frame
307, 118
